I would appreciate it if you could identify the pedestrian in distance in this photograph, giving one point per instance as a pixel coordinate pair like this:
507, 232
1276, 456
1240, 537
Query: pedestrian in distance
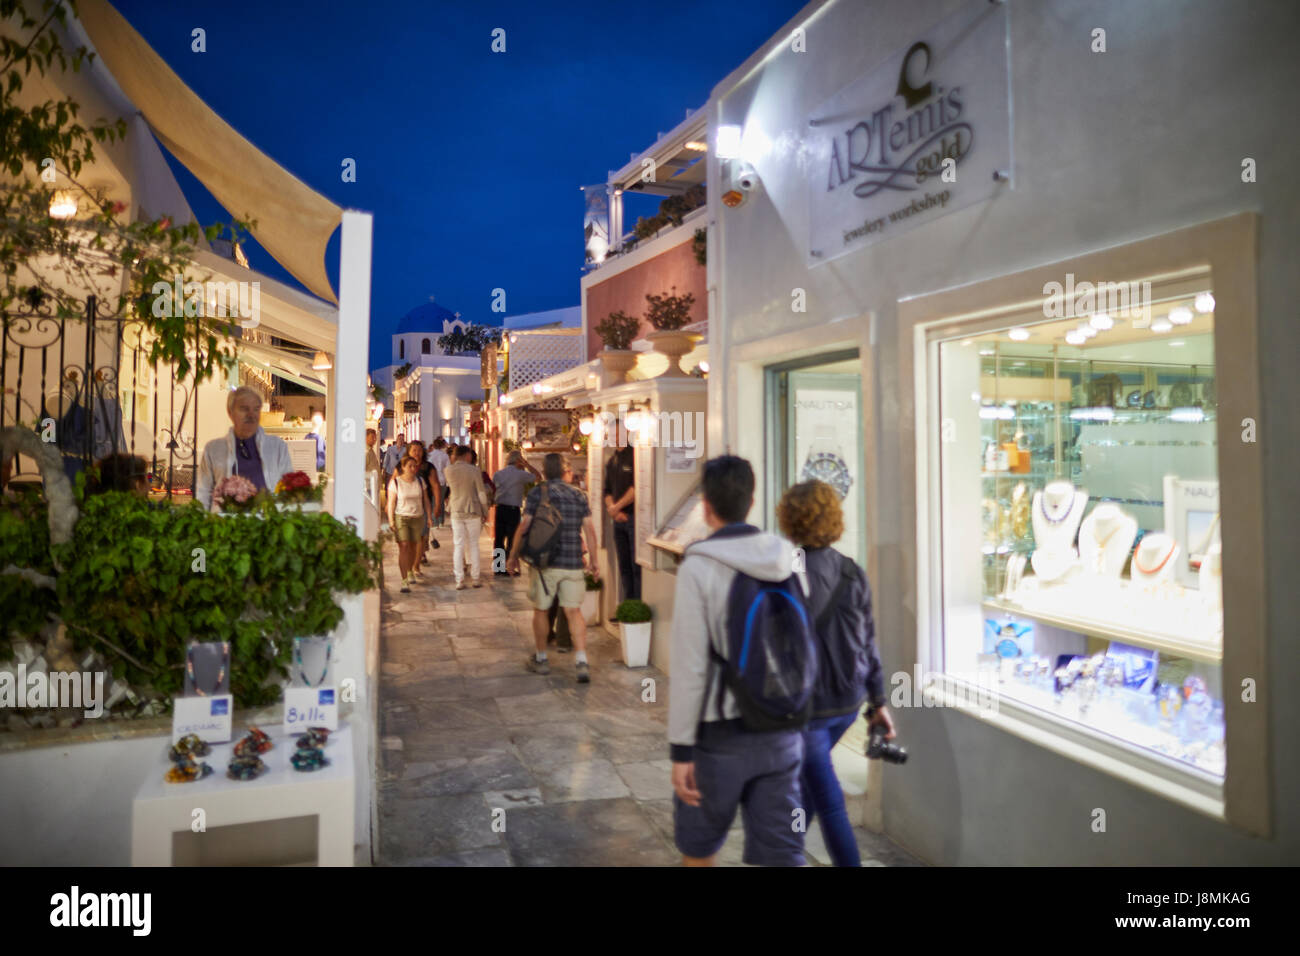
849, 671
467, 507
409, 514
550, 535
426, 470
510, 482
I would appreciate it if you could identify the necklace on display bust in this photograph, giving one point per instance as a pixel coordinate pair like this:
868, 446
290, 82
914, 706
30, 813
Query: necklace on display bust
1173, 546
302, 670
1056, 519
194, 681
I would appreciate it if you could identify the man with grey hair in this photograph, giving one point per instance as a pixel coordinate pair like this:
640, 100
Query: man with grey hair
245, 450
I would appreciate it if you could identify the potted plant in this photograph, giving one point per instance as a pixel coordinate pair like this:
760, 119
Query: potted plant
633, 618
617, 330
296, 488
591, 600
669, 314
234, 494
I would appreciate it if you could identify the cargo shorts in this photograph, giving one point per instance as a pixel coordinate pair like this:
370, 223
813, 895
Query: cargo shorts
755, 772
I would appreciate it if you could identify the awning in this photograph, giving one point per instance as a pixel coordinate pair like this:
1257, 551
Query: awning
294, 222
286, 365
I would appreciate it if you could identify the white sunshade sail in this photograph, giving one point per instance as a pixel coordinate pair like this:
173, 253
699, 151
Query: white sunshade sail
294, 222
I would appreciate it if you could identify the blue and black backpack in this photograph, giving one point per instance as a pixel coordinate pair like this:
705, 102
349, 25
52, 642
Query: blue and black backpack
771, 663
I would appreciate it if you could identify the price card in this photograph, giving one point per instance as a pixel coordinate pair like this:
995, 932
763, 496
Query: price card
209, 717
310, 707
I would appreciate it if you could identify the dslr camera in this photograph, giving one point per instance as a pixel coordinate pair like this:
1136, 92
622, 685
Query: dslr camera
878, 748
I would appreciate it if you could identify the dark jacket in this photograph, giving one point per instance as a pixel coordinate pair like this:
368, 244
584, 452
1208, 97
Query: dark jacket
849, 670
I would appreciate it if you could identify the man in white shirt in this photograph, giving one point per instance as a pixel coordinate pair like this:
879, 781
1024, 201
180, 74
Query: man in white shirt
245, 450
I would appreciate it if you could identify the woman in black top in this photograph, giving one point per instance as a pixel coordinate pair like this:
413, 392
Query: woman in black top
849, 671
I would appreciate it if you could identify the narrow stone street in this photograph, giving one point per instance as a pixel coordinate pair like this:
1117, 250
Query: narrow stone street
581, 771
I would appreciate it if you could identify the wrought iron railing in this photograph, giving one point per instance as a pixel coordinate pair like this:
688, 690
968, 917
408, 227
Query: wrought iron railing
86, 384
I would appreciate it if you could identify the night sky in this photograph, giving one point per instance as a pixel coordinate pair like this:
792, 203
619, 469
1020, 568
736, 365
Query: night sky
471, 161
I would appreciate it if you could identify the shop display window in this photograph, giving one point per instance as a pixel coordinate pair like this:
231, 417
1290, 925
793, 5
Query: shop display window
815, 424
1079, 520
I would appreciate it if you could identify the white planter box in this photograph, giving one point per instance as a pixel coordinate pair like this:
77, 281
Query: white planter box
591, 607
636, 643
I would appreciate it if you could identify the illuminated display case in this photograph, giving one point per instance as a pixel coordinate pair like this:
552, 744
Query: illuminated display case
1079, 521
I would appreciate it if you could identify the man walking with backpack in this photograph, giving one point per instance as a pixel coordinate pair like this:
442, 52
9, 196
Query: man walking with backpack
742, 675
556, 518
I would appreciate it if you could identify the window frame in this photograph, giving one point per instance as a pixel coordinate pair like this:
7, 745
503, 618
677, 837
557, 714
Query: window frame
1228, 248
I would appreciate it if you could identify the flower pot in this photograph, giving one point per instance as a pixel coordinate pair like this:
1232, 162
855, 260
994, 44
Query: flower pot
618, 362
635, 639
591, 607
674, 345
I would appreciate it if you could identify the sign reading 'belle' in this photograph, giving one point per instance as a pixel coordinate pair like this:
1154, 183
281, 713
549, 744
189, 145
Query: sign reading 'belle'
921, 135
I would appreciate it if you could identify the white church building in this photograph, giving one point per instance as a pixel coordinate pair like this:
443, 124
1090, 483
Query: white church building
434, 397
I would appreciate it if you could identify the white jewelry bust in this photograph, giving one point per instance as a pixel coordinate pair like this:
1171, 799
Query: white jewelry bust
1155, 559
1057, 511
1105, 538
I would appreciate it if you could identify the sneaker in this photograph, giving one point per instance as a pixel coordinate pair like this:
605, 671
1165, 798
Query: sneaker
406, 584
478, 583
584, 673
460, 585
416, 574
536, 666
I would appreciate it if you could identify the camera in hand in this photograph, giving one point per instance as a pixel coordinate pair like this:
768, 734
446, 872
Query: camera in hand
878, 748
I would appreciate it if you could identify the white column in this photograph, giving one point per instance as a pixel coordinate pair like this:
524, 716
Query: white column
358, 630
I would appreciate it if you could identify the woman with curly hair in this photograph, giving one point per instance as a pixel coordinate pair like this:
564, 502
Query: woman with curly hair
849, 670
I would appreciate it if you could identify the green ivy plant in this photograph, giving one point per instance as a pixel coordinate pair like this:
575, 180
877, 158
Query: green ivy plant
143, 579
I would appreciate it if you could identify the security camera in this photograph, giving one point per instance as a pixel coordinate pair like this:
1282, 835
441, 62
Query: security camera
746, 178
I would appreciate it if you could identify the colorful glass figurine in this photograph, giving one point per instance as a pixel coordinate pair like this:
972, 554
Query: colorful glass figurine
315, 737
256, 742
187, 771
245, 768
309, 759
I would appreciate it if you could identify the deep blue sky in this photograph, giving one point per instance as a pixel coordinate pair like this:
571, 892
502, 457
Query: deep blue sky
470, 161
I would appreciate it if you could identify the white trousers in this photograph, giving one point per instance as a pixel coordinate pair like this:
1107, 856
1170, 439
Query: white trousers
465, 532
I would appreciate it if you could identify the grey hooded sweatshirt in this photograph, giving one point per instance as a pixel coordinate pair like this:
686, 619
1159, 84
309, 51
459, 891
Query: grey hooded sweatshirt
699, 618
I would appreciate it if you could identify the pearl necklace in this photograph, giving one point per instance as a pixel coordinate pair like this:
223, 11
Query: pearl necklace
1042, 506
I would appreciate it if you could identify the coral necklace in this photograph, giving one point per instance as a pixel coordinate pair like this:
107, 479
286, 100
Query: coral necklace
1156, 570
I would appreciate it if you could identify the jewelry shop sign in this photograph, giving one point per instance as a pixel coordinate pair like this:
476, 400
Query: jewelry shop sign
925, 133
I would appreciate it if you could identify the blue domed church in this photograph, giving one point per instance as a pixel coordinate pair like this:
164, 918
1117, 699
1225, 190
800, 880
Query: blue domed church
432, 398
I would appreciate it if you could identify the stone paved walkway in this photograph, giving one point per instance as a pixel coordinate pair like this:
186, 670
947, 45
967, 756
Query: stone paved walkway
581, 771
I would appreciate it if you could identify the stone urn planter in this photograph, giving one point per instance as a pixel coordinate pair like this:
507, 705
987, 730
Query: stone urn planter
618, 362
674, 345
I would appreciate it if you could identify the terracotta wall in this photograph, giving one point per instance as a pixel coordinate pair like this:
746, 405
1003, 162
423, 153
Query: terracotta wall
627, 290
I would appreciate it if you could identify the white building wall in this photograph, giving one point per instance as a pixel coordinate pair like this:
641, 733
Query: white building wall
1108, 148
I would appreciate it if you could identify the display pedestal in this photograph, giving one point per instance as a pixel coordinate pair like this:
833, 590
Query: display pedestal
241, 819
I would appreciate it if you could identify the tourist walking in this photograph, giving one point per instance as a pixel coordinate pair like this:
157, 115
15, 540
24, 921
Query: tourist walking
510, 482
440, 459
467, 507
719, 765
426, 470
849, 670
409, 514
558, 568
